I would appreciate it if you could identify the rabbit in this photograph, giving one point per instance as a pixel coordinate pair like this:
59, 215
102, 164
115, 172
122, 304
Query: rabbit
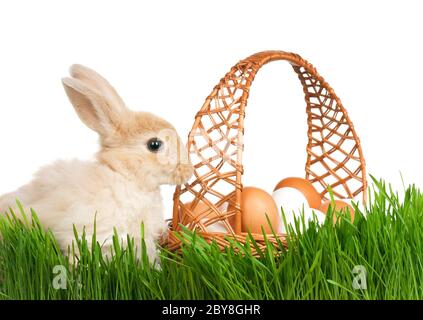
120, 187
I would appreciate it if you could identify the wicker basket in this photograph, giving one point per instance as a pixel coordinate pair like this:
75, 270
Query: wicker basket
334, 155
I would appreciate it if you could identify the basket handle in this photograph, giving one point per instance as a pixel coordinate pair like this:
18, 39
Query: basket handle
329, 132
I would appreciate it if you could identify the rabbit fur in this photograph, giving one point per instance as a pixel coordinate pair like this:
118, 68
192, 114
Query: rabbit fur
120, 188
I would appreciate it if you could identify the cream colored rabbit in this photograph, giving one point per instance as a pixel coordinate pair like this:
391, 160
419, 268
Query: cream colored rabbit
139, 152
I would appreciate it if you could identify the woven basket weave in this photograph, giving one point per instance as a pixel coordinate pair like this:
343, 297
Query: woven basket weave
334, 155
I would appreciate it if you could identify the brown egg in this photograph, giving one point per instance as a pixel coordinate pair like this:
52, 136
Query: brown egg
201, 208
339, 206
305, 187
255, 204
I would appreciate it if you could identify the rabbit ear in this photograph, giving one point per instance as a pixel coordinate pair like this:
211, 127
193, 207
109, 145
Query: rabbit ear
94, 80
93, 108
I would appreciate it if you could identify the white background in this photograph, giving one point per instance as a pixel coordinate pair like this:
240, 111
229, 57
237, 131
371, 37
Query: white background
166, 56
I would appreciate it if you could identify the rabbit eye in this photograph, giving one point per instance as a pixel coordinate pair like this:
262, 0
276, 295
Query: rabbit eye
154, 144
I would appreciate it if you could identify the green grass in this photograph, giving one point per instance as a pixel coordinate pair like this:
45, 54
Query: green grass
388, 242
